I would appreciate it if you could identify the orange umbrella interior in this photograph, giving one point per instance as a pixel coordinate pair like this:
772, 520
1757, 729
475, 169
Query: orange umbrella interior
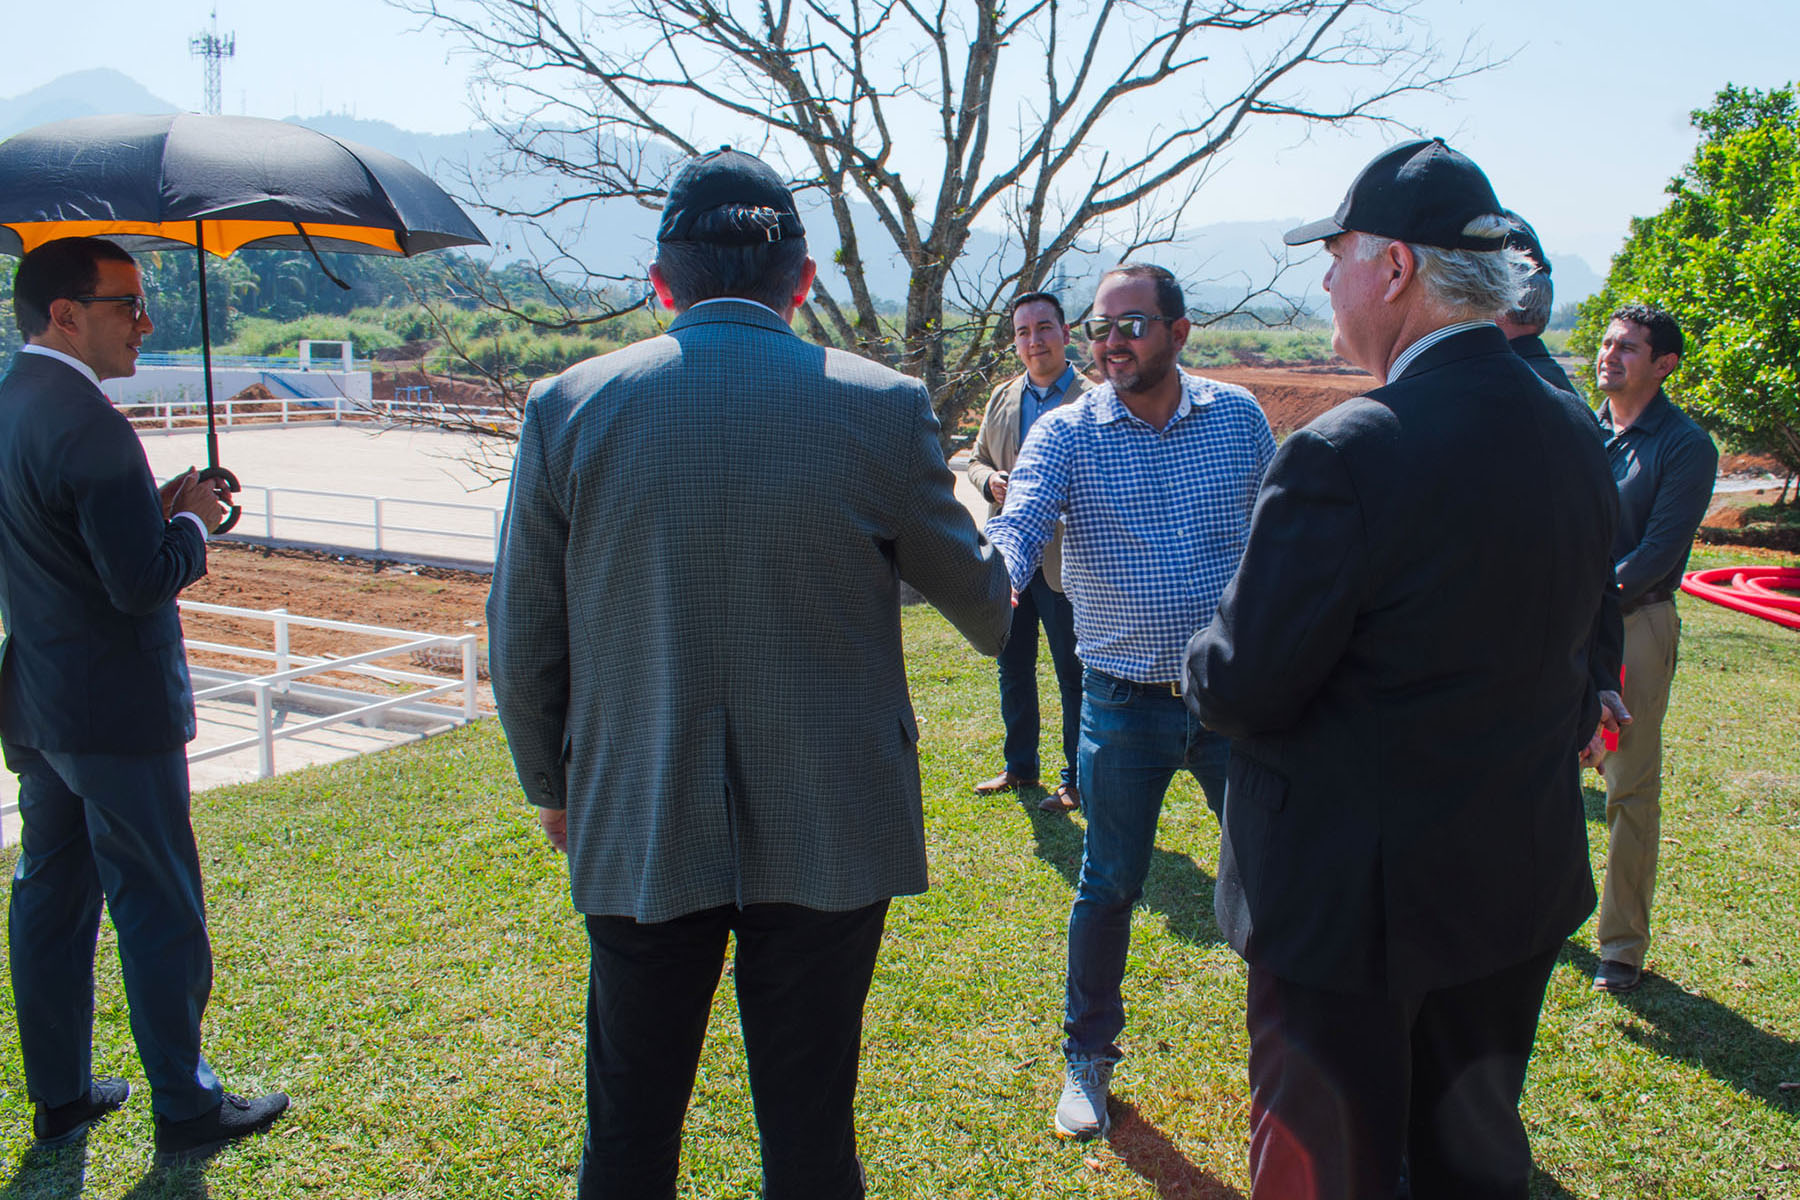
222, 238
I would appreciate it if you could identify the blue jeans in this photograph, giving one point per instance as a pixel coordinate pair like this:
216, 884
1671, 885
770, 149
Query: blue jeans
1042, 604
1133, 739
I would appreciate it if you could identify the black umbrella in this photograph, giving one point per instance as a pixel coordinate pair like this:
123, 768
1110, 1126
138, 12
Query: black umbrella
218, 184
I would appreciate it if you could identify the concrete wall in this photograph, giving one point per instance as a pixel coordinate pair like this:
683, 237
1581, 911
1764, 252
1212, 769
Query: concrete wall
163, 384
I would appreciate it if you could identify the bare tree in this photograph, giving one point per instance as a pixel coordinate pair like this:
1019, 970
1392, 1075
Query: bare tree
1069, 123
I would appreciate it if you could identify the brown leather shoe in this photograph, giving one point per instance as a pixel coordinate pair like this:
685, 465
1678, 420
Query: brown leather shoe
1065, 799
1005, 781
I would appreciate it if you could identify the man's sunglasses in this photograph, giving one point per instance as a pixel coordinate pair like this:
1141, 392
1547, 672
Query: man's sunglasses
140, 308
1132, 325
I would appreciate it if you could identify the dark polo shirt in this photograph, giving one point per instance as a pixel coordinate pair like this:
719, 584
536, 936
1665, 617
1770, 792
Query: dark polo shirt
1664, 465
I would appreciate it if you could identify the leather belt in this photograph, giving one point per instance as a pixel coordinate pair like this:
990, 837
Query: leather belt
1646, 599
1164, 688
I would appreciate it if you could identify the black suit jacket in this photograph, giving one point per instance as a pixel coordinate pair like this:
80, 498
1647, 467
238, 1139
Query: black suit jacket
1403, 660
1609, 648
1531, 348
93, 660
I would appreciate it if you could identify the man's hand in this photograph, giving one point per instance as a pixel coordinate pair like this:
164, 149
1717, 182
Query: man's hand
1613, 716
997, 486
556, 826
1594, 753
200, 497
167, 493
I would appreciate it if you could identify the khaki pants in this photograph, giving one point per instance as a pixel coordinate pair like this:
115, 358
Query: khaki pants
1633, 775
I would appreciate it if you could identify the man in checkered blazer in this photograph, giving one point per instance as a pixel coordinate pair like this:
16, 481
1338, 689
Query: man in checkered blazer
696, 653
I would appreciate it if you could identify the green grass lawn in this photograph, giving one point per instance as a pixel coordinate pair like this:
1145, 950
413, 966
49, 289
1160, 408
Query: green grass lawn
395, 948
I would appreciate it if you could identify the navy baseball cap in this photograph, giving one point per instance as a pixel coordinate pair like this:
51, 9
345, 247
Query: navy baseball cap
728, 198
1420, 191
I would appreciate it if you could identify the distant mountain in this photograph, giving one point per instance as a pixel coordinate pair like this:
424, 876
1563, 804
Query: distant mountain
1216, 263
1573, 278
82, 94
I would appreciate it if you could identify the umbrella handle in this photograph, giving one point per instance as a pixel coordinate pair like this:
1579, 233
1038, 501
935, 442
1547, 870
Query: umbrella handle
232, 512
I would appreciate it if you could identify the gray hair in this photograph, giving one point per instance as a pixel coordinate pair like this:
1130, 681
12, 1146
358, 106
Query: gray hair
1473, 284
1533, 309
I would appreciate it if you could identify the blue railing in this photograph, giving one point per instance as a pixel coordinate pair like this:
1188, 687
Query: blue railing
253, 362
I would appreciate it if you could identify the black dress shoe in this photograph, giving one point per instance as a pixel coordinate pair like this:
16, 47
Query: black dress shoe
236, 1117
63, 1124
1615, 977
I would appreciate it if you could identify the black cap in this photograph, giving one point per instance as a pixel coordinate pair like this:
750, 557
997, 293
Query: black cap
1421, 192
1524, 237
729, 199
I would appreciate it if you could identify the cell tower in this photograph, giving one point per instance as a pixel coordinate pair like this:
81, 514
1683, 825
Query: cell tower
214, 49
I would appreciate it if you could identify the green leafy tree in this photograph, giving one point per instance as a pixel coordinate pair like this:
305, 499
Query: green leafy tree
1724, 258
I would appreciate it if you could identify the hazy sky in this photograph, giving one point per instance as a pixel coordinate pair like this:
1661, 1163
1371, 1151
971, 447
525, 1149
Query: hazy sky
1579, 131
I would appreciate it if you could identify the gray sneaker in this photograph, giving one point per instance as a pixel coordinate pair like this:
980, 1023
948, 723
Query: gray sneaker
1081, 1111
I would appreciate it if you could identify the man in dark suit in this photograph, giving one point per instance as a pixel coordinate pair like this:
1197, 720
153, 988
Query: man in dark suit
95, 711
695, 647
1524, 323
1402, 660
1041, 338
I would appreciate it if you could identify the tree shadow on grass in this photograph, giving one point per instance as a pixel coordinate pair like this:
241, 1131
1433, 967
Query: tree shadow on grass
1148, 1151
49, 1174
1176, 887
1695, 1029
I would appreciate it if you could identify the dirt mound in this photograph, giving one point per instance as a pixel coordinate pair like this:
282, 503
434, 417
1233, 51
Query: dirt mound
1292, 396
1751, 465
313, 584
449, 390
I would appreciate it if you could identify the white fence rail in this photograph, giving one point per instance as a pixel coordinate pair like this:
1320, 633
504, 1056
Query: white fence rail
291, 667
183, 413
385, 524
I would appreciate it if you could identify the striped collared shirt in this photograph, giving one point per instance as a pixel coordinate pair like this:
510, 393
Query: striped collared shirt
1154, 520
1425, 343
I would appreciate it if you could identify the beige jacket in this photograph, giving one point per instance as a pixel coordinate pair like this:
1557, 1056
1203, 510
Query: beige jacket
997, 449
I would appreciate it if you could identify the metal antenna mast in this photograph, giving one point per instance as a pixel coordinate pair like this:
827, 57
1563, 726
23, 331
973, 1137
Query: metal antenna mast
213, 48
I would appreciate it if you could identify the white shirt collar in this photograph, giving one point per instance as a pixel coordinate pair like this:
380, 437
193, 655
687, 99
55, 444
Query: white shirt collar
1412, 352
60, 357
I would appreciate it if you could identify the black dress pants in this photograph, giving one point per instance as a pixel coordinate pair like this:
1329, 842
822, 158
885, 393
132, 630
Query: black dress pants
1341, 1086
802, 976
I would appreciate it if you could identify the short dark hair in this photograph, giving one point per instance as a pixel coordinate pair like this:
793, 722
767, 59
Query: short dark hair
59, 270
1012, 310
766, 272
1169, 300
1665, 334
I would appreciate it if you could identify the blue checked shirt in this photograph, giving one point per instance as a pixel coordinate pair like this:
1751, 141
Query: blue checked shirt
1154, 522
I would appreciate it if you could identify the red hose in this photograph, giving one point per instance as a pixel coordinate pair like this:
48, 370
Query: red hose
1757, 591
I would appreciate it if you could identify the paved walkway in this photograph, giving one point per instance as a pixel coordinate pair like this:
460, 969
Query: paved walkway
222, 721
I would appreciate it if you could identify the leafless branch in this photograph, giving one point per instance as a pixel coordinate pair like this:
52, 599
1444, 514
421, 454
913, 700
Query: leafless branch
903, 115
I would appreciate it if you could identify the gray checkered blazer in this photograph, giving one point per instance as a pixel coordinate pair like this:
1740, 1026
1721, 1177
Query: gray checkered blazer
694, 628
